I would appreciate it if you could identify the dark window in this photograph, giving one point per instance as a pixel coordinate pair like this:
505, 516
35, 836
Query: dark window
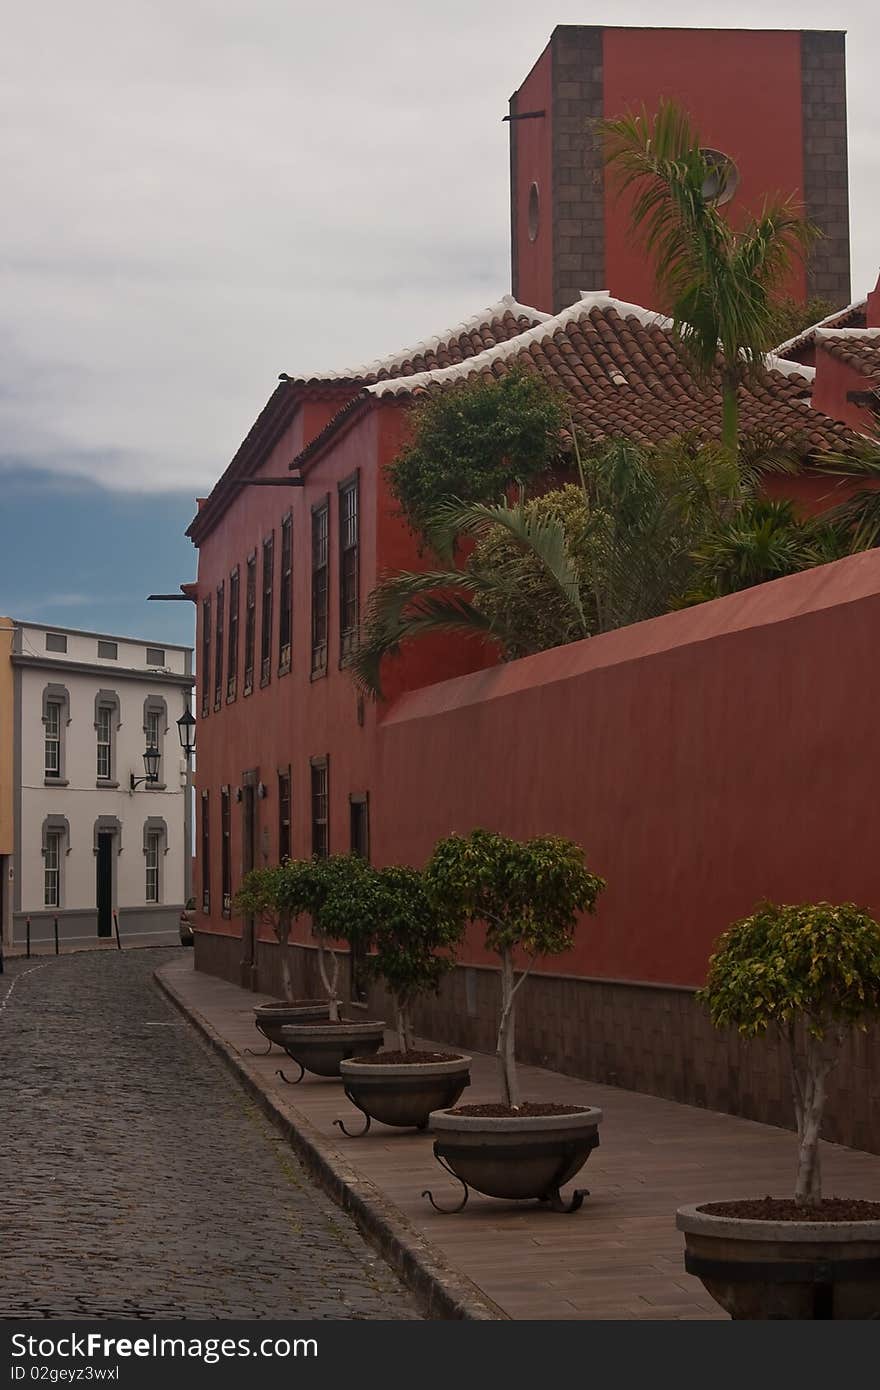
250, 624
320, 828
225, 860
56, 642
108, 650
155, 656
206, 856
206, 656
320, 586
285, 601
218, 650
348, 567
283, 816
359, 843
266, 633
232, 651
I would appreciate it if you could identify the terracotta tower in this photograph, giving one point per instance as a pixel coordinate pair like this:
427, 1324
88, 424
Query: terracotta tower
772, 101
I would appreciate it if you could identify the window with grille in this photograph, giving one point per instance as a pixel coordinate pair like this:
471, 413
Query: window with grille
250, 624
320, 586
348, 567
225, 852
155, 656
56, 642
205, 865
266, 631
53, 739
52, 870
285, 597
283, 816
153, 850
105, 742
232, 652
218, 649
320, 804
206, 656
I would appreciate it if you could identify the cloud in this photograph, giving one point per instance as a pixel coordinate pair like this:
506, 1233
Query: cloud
199, 196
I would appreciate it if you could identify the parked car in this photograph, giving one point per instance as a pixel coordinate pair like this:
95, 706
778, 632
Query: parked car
187, 922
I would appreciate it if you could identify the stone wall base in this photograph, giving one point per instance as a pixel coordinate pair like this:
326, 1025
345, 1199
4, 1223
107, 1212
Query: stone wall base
651, 1038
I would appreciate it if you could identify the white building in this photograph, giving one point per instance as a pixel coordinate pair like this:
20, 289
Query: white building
88, 842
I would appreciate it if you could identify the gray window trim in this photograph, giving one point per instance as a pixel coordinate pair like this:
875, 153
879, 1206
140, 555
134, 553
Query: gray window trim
56, 825
108, 699
107, 825
155, 825
54, 694
155, 704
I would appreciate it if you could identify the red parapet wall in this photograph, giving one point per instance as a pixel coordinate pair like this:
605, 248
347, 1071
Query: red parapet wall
706, 759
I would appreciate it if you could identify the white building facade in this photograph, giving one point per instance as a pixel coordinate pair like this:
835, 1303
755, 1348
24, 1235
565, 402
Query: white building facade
88, 844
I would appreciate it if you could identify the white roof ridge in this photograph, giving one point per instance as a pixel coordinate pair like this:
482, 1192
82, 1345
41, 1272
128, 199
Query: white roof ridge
589, 300
506, 304
814, 327
551, 324
837, 333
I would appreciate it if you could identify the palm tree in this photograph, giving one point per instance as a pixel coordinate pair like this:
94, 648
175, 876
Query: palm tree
717, 283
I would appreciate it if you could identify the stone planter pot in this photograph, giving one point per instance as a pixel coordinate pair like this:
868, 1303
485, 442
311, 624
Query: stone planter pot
271, 1018
516, 1157
403, 1094
766, 1270
321, 1047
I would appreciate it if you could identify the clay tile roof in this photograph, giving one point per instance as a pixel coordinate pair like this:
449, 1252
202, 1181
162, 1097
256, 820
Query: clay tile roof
857, 348
625, 373
496, 324
853, 316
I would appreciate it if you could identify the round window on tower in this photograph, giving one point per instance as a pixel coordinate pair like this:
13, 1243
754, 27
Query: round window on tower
534, 212
722, 179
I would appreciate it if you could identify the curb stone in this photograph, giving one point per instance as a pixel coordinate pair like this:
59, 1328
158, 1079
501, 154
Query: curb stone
443, 1292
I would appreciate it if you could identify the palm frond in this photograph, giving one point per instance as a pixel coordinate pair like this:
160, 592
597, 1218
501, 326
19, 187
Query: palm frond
543, 537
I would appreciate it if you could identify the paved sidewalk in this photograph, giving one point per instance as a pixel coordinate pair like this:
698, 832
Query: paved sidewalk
620, 1257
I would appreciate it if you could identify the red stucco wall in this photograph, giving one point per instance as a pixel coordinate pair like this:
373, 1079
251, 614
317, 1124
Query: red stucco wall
834, 380
704, 760
742, 90
534, 164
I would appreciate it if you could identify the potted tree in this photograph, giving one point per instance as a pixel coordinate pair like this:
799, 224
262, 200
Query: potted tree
809, 973
322, 888
528, 895
264, 894
412, 940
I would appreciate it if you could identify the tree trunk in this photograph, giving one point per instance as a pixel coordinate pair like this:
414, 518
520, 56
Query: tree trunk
329, 981
809, 1175
510, 1094
730, 411
283, 934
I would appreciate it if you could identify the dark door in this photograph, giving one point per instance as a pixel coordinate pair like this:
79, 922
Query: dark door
105, 885
248, 857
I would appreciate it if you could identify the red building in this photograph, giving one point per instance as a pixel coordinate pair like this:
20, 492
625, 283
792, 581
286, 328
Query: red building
772, 101
681, 752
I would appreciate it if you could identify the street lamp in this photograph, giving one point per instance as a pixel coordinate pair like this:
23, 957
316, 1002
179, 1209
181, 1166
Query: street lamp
152, 757
186, 728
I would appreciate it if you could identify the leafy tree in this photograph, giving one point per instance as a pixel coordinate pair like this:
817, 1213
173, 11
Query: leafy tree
262, 895
811, 972
616, 548
719, 284
318, 888
411, 933
527, 894
475, 440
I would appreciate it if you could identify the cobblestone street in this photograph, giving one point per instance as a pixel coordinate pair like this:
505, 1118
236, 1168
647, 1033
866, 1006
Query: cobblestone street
138, 1181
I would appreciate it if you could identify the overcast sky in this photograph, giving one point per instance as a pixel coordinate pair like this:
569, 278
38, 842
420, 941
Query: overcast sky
199, 194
